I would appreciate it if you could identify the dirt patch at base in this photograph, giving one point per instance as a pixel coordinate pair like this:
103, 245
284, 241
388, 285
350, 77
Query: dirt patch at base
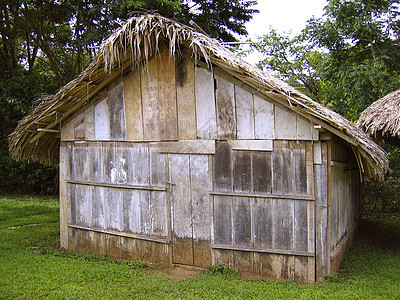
179, 272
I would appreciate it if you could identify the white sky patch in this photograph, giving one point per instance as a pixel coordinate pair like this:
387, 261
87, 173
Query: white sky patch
288, 16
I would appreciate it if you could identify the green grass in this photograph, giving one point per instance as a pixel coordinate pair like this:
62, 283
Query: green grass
32, 267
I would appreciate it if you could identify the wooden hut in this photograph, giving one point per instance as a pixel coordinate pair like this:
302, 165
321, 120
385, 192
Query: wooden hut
174, 150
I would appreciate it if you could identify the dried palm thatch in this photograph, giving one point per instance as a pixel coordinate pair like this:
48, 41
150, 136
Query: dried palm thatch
133, 45
382, 119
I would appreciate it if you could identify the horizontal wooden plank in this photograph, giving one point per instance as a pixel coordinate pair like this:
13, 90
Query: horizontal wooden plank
271, 196
273, 251
122, 186
256, 145
187, 147
124, 234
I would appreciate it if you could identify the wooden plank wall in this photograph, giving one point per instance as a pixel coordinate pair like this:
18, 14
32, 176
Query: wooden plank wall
117, 187
263, 210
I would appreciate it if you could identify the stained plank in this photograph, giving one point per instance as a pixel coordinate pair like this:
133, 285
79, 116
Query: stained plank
117, 113
263, 223
222, 220
201, 210
300, 170
182, 226
255, 145
304, 129
244, 113
285, 124
67, 131
79, 128
102, 120
133, 107
225, 104
97, 207
222, 167
283, 220
242, 171
187, 147
242, 221
89, 123
262, 172
264, 120
185, 96
205, 104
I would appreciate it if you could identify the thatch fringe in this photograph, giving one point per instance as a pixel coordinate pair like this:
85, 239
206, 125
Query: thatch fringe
134, 44
382, 119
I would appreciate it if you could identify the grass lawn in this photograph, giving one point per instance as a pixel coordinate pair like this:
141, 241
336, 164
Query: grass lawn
32, 267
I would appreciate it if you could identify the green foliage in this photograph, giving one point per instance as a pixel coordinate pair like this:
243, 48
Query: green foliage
219, 269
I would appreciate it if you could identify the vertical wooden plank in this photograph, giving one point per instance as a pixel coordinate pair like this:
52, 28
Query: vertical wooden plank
81, 162
284, 216
262, 173
145, 212
113, 213
222, 220
304, 129
222, 167
157, 166
300, 168
242, 222
102, 120
264, 119
113, 246
133, 107
158, 212
117, 113
310, 168
67, 131
79, 128
64, 174
300, 239
151, 106
242, 171
108, 160
97, 211
83, 205
185, 97
167, 96
98, 244
263, 264
285, 124
71, 204
264, 230
244, 113
205, 104
224, 257
244, 261
225, 103
96, 170
131, 211
201, 213
321, 214
179, 167
144, 250
278, 170
301, 268
128, 248
89, 123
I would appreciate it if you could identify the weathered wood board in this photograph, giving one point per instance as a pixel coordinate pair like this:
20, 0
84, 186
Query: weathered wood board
102, 121
133, 107
205, 104
185, 95
244, 113
225, 104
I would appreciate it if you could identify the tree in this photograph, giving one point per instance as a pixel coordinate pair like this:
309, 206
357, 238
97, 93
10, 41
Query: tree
46, 43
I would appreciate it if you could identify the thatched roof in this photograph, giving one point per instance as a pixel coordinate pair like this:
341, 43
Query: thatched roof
382, 119
133, 45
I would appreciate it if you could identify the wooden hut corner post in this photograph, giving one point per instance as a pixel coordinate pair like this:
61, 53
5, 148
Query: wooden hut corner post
63, 169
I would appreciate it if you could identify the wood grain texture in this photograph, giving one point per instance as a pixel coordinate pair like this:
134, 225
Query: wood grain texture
185, 96
222, 167
89, 123
225, 104
254, 145
205, 104
285, 124
67, 131
187, 147
133, 107
264, 119
102, 121
244, 113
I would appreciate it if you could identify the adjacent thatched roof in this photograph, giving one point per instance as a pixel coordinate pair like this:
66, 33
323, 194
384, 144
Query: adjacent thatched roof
133, 45
382, 119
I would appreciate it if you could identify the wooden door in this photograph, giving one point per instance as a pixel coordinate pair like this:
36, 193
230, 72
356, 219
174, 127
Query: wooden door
190, 209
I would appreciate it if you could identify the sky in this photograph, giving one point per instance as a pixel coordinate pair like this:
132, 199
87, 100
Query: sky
288, 16
284, 15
